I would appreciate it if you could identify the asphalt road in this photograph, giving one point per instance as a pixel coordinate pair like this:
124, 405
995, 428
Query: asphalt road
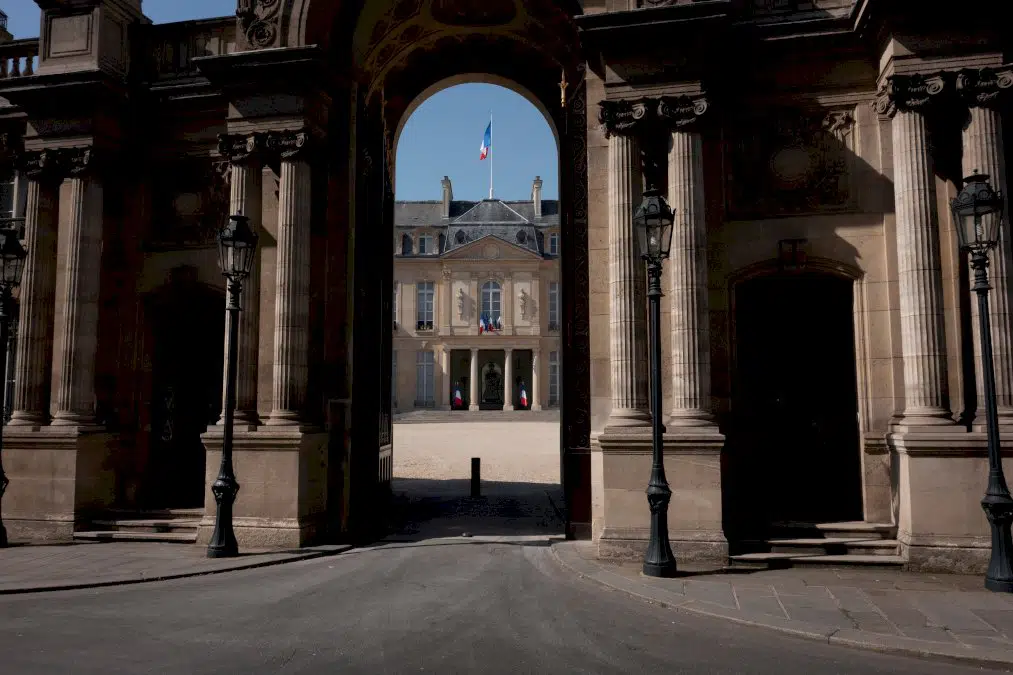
448, 605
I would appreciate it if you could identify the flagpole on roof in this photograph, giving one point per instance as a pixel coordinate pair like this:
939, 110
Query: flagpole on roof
490, 154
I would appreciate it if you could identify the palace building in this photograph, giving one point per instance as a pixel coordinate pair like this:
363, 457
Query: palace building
820, 348
476, 303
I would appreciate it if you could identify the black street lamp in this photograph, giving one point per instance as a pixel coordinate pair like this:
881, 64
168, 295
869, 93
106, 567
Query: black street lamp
977, 212
237, 246
653, 224
12, 264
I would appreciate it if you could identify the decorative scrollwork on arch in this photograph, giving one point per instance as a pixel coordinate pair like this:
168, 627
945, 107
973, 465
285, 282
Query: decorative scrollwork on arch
259, 22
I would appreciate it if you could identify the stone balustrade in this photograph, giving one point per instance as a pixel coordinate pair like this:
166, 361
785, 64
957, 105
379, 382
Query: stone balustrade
18, 58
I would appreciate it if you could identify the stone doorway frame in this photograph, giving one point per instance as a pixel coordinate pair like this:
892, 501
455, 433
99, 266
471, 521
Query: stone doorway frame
869, 447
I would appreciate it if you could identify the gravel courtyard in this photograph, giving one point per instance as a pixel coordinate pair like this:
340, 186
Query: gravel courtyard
516, 452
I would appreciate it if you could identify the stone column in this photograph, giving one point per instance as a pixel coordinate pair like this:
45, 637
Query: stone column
245, 185
33, 361
77, 325
536, 365
508, 380
291, 313
473, 382
923, 340
688, 273
448, 383
984, 152
627, 287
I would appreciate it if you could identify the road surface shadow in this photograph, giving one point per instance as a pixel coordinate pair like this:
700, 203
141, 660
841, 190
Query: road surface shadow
434, 509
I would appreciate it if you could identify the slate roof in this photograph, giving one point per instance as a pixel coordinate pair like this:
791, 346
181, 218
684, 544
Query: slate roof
512, 221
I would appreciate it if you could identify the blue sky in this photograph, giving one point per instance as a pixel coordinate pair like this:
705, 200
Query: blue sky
442, 137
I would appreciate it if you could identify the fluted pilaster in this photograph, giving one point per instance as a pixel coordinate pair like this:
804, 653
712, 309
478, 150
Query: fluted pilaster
33, 361
919, 271
77, 325
627, 288
245, 184
291, 314
983, 151
688, 291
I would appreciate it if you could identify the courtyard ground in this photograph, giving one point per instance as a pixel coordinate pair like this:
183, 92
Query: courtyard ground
511, 451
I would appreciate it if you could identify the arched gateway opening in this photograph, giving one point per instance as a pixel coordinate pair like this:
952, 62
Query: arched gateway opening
392, 53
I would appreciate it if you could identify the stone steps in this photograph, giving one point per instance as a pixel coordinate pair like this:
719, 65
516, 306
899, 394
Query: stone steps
159, 537
843, 544
175, 526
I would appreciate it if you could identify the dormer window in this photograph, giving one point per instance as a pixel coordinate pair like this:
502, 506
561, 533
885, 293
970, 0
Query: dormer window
426, 244
554, 244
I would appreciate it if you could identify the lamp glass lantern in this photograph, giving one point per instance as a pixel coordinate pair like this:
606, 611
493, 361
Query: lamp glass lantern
977, 213
653, 223
237, 246
12, 259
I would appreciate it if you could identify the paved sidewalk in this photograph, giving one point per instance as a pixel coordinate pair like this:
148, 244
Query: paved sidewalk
27, 569
929, 615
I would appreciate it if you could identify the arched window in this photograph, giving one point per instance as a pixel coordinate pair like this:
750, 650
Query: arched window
491, 302
406, 245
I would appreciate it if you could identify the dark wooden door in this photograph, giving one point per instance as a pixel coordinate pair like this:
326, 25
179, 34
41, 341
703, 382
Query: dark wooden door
795, 409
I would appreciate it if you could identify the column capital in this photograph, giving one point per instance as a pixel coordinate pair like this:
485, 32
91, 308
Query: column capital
681, 113
984, 87
237, 148
41, 165
626, 118
289, 145
909, 93
78, 161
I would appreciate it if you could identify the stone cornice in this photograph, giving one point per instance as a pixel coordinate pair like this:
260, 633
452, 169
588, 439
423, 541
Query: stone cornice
984, 87
909, 93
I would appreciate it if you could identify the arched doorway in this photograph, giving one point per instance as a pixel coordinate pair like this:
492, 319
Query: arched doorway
185, 323
793, 455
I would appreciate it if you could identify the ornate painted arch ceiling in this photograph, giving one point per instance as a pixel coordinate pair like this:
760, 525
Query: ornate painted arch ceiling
390, 32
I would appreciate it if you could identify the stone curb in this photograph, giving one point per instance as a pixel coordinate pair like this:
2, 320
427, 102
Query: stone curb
310, 553
565, 555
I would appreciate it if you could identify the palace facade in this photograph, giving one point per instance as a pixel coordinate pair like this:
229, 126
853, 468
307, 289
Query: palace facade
821, 346
476, 309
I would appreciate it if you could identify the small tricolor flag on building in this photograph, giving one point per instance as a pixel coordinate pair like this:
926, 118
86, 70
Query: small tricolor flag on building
524, 397
486, 141
458, 401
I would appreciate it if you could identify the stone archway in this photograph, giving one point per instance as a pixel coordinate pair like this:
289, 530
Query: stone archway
380, 57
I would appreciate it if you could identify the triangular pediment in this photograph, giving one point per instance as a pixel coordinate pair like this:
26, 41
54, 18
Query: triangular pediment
491, 247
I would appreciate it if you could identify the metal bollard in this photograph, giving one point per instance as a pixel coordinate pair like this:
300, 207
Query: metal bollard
476, 480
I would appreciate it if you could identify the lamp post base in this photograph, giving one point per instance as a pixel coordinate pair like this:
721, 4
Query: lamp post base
665, 570
998, 506
223, 539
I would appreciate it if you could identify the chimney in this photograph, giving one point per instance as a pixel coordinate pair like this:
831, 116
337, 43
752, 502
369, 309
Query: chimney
5, 35
448, 196
536, 196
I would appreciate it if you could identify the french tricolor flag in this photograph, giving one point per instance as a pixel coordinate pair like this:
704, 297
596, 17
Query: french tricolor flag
486, 141
458, 400
524, 397
481, 325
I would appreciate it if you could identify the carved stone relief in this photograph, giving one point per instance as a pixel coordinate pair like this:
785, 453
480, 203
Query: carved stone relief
791, 162
259, 23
